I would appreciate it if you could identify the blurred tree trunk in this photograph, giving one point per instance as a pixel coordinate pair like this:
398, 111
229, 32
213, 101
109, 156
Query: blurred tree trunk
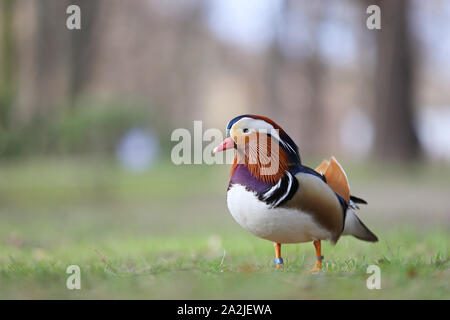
394, 115
64, 58
315, 70
6, 61
81, 45
310, 110
275, 61
51, 56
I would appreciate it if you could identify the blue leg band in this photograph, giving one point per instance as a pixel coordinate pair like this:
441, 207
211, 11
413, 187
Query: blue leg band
278, 261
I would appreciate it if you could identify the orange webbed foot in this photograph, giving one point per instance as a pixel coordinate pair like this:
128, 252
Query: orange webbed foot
318, 267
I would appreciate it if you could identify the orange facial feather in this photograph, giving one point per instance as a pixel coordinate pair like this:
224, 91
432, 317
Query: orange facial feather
263, 157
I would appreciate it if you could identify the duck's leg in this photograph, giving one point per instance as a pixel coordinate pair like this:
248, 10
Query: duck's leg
319, 256
278, 260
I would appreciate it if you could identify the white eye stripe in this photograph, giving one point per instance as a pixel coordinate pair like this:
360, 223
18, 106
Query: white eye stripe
254, 124
262, 126
259, 125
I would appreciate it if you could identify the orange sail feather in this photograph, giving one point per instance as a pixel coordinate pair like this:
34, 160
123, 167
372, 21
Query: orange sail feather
336, 177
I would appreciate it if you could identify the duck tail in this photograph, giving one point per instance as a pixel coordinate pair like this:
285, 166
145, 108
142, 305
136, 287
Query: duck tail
355, 227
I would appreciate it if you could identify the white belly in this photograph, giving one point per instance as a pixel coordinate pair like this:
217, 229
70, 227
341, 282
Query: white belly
280, 225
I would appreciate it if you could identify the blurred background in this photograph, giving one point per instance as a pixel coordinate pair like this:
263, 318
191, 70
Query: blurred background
86, 115
336, 86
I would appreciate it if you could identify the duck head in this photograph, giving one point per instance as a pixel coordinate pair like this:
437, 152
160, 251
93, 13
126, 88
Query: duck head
261, 145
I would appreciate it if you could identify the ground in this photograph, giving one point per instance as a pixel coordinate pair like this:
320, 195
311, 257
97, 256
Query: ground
167, 234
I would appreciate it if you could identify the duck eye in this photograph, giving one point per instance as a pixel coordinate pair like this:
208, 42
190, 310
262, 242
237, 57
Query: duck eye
245, 130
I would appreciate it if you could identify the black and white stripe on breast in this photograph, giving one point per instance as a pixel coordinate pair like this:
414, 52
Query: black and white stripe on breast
283, 191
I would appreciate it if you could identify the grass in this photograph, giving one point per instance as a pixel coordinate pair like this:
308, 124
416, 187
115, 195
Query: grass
167, 234
238, 267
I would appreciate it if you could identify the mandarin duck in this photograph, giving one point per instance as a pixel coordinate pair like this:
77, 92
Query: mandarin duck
275, 197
